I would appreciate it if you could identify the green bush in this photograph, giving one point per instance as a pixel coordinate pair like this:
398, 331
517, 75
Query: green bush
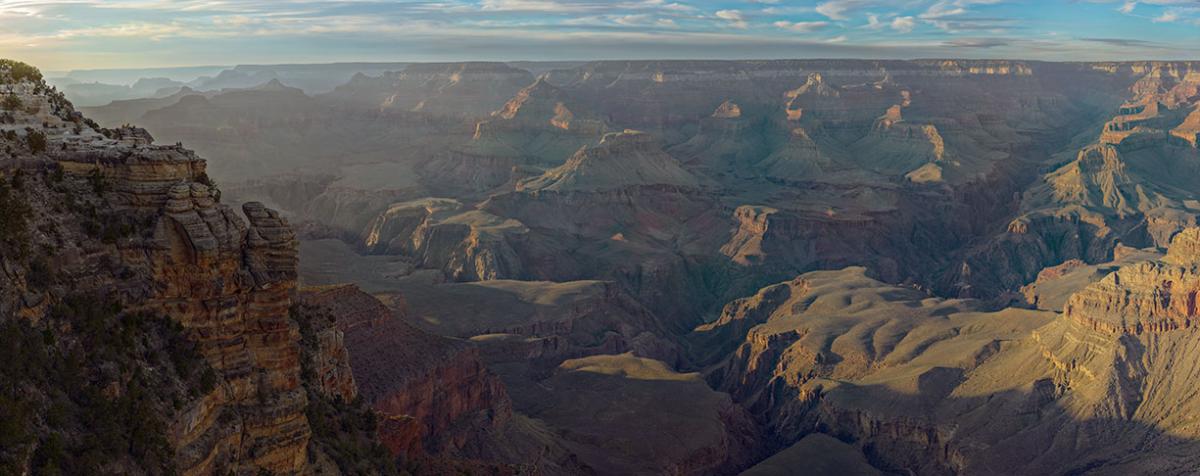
36, 140
11, 102
18, 71
14, 222
56, 401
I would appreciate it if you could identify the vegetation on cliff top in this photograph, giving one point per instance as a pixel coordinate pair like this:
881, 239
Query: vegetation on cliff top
86, 390
12, 71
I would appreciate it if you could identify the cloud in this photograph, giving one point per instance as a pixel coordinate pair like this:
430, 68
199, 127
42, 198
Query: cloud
632, 20
734, 17
152, 31
1128, 7
873, 23
943, 9
959, 24
544, 6
1125, 42
976, 43
837, 9
904, 24
802, 26
1167, 17
534, 5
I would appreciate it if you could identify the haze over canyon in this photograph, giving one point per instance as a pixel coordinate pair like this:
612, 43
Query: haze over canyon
726, 267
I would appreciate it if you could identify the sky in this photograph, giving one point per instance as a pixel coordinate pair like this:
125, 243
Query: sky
89, 34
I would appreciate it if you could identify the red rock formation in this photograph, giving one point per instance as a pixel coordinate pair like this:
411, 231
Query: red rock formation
434, 395
229, 285
1149, 297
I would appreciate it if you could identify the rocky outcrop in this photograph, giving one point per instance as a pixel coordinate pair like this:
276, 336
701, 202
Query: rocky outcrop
467, 245
142, 226
434, 396
449, 89
539, 324
726, 144
621, 159
1147, 297
1115, 190
231, 284
227, 282
938, 387
612, 410
1189, 130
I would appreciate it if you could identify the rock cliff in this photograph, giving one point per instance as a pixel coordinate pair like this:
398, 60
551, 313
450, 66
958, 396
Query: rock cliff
621, 159
141, 225
433, 394
943, 387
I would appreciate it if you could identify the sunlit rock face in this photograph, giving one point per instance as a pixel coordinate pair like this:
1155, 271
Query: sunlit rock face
931, 385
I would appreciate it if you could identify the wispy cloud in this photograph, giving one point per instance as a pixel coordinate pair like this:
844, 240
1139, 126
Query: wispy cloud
943, 9
839, 9
1126, 42
802, 26
903, 24
1167, 17
977, 43
733, 17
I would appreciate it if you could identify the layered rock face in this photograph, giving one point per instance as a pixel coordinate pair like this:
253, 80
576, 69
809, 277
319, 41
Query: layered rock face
433, 394
463, 89
620, 160
140, 224
541, 124
1116, 189
468, 245
540, 324
1144, 298
230, 283
941, 387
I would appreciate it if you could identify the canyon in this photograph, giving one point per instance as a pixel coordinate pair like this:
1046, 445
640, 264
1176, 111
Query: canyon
611, 267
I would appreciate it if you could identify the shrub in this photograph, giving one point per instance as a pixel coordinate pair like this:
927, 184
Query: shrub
97, 180
14, 220
11, 102
19, 71
55, 412
36, 140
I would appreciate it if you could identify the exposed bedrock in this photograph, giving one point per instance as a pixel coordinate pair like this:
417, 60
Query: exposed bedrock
433, 394
940, 386
226, 281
